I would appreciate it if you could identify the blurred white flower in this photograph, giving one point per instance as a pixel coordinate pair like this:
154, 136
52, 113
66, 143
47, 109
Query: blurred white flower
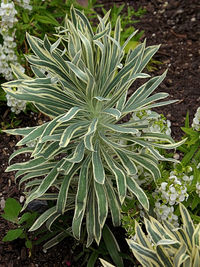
196, 120
156, 123
198, 188
16, 105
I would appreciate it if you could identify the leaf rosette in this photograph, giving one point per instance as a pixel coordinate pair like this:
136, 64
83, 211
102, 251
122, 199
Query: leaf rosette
89, 158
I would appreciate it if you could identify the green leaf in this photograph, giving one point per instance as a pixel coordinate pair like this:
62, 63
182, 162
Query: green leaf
121, 129
90, 218
119, 175
101, 99
98, 168
112, 246
163, 256
46, 19
31, 164
68, 133
138, 192
113, 204
21, 151
56, 239
187, 221
46, 183
90, 134
102, 202
141, 237
35, 133
70, 114
81, 198
43, 218
196, 258
25, 217
11, 210
187, 120
113, 112
141, 252
127, 162
12, 235
92, 259
78, 153
28, 244
77, 71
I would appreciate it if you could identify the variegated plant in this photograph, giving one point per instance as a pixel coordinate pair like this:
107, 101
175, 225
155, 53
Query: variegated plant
81, 82
166, 246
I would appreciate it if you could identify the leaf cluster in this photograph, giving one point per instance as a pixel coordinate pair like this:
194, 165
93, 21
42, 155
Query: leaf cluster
11, 213
169, 247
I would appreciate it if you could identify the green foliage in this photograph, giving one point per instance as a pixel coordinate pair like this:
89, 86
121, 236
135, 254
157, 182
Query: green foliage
12, 235
112, 246
191, 148
129, 215
11, 121
79, 152
163, 245
11, 210
11, 213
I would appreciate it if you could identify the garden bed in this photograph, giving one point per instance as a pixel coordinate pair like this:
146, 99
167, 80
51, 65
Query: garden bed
175, 27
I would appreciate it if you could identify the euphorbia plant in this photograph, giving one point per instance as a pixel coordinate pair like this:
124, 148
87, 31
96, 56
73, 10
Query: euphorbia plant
84, 153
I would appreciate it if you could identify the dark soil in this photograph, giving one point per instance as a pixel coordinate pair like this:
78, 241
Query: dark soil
175, 26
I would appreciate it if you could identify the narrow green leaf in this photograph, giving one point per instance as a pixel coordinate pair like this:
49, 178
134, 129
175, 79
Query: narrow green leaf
120, 129
98, 169
100, 34
163, 256
70, 114
77, 71
102, 203
97, 227
46, 183
113, 112
43, 218
37, 132
113, 204
56, 239
100, 98
141, 237
68, 133
187, 221
138, 192
141, 251
112, 246
31, 164
63, 192
78, 153
127, 162
90, 218
119, 175
21, 151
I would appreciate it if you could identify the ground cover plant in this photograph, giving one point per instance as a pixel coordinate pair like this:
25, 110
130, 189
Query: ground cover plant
166, 200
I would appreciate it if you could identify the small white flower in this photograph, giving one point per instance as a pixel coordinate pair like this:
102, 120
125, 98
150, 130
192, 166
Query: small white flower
172, 189
163, 186
196, 120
